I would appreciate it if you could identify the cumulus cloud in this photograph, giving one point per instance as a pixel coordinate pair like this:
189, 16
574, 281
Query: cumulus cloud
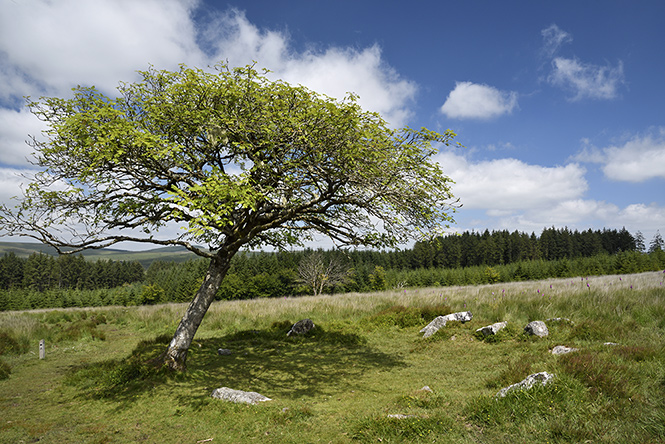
640, 158
53, 46
475, 101
333, 71
643, 217
507, 185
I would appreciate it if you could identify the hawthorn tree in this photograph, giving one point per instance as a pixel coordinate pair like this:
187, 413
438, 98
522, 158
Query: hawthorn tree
233, 158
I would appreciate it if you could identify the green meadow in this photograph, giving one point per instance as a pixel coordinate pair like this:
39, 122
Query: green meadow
364, 361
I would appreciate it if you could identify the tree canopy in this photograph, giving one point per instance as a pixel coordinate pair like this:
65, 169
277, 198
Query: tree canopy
233, 158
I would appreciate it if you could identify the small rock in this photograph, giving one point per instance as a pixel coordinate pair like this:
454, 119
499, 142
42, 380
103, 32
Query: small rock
562, 350
400, 416
536, 328
223, 351
543, 377
426, 389
238, 396
610, 343
492, 329
301, 327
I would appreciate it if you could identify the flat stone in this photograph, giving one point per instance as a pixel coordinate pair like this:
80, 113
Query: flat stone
223, 351
462, 316
562, 350
434, 326
238, 396
440, 322
536, 328
492, 329
543, 378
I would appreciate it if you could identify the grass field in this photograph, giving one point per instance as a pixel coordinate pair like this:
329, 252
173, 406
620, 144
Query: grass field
364, 361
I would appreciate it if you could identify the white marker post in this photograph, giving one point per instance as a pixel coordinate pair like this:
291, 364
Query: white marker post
42, 349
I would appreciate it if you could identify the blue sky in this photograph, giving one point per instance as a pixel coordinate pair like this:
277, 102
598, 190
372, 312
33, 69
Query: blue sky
560, 105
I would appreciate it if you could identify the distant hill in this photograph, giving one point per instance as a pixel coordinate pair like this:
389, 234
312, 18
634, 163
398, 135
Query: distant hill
146, 257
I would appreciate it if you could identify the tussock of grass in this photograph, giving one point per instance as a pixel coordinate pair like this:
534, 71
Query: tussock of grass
405, 317
10, 345
5, 370
411, 429
601, 373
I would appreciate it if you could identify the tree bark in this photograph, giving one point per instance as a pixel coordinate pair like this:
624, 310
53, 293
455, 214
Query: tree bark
175, 356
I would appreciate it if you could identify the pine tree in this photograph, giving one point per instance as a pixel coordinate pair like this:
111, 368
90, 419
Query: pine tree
657, 243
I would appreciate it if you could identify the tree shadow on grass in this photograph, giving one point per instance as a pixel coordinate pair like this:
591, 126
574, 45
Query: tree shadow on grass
318, 363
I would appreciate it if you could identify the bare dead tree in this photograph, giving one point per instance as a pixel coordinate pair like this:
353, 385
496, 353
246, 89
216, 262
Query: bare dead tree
318, 273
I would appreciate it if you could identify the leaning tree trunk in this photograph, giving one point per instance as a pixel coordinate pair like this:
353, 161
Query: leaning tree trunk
175, 356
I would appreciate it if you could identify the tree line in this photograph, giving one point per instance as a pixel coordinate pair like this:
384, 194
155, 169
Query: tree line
466, 259
41, 272
470, 258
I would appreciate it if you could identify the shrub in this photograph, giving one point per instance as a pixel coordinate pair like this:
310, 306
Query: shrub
152, 294
492, 275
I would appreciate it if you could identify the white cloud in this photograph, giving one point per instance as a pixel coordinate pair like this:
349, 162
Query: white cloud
586, 80
640, 158
574, 211
16, 128
339, 71
474, 101
647, 218
554, 37
231, 36
501, 186
10, 184
53, 46
333, 71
